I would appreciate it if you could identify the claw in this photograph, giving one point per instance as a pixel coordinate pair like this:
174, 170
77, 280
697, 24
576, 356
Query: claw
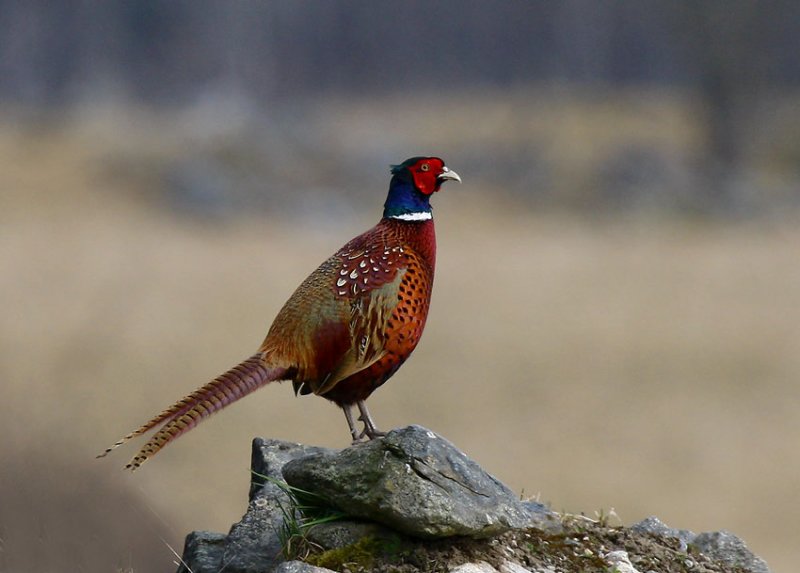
369, 424
369, 431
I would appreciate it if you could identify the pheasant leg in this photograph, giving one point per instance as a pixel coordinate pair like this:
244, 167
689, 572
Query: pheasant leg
348, 414
370, 430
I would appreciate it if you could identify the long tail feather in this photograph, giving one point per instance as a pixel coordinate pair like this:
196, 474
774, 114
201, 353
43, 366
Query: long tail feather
187, 412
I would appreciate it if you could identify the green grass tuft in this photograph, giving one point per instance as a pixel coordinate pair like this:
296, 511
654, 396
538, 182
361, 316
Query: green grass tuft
304, 510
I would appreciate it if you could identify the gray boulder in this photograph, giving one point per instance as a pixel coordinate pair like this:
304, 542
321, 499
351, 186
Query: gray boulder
726, 547
338, 534
202, 552
415, 482
721, 546
655, 526
252, 545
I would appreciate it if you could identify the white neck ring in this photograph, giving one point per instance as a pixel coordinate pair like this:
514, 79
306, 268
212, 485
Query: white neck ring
419, 216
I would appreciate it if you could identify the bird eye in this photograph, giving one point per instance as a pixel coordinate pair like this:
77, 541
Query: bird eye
424, 167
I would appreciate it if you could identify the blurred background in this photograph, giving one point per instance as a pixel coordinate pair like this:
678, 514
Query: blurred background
616, 319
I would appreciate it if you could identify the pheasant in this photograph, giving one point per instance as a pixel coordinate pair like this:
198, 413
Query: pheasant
347, 328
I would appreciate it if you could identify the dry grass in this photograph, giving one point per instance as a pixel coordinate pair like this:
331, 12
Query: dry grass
649, 366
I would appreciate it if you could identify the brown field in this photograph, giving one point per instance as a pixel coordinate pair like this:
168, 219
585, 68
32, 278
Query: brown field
649, 366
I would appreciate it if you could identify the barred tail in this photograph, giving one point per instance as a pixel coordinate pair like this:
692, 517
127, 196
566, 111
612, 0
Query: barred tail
186, 413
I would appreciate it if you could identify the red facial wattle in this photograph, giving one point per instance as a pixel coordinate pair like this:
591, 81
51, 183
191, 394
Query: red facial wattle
426, 174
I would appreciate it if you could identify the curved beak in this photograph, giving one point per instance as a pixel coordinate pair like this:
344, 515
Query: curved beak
448, 175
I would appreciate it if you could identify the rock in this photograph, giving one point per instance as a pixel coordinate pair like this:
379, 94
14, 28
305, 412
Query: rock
300, 567
729, 549
479, 567
719, 545
543, 518
415, 482
202, 552
512, 567
266, 465
338, 534
619, 562
656, 527
253, 544
483, 567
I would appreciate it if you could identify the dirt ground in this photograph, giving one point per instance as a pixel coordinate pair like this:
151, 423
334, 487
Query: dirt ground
581, 546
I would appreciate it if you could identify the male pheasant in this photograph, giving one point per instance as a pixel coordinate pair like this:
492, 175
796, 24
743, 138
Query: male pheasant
348, 327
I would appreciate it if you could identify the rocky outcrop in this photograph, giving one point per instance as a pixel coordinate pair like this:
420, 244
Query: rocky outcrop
721, 545
252, 545
415, 482
413, 498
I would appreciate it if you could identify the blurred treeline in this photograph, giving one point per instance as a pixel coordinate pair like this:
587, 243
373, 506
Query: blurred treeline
712, 84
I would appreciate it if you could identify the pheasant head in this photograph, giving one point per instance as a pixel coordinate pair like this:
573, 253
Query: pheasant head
413, 182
